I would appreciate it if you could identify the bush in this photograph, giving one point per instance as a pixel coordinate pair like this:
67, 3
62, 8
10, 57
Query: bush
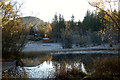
67, 39
95, 38
72, 74
107, 68
80, 40
65, 73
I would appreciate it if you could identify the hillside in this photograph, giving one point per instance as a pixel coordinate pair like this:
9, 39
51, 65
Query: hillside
34, 21
38, 25
30, 19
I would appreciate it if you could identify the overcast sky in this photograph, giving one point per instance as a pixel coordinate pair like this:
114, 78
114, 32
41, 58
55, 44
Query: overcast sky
46, 9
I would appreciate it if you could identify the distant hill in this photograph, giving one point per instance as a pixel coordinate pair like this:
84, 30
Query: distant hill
30, 19
36, 22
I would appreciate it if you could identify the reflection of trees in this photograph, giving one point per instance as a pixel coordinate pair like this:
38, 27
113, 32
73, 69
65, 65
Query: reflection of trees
87, 59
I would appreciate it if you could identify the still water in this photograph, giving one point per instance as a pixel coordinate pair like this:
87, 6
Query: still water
45, 66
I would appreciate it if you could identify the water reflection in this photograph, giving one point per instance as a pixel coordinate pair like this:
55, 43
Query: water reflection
83, 68
44, 70
45, 66
47, 69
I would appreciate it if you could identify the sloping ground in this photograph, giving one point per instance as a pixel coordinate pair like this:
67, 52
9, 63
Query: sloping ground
56, 47
6, 65
30, 19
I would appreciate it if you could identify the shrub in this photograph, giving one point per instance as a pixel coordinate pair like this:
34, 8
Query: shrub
73, 74
65, 72
80, 40
67, 39
95, 38
107, 68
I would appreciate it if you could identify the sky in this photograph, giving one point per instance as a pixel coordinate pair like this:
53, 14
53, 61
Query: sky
46, 9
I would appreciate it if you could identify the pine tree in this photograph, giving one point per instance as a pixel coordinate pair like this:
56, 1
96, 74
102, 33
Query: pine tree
58, 25
72, 23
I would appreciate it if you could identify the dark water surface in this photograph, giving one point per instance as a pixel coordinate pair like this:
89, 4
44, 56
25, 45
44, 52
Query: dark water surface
43, 66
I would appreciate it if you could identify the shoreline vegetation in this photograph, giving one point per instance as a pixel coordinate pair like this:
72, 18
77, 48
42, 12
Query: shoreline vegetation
107, 68
108, 65
76, 73
94, 41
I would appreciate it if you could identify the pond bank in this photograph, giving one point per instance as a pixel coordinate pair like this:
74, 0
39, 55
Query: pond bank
57, 48
7, 65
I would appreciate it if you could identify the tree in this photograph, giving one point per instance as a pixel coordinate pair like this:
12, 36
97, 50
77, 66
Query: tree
61, 22
32, 32
54, 27
92, 22
79, 23
13, 33
72, 24
57, 26
111, 17
86, 21
91, 26
67, 38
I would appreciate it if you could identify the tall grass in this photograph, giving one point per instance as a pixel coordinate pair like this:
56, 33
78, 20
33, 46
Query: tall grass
107, 68
13, 74
69, 72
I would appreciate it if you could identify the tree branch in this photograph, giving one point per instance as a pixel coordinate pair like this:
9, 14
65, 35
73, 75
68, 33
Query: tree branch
118, 26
